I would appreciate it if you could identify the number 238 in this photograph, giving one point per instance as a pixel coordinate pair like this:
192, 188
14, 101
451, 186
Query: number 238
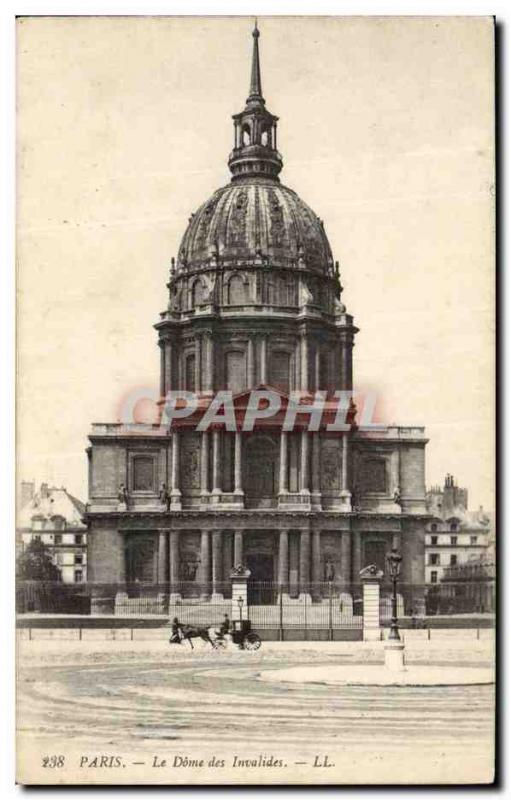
53, 761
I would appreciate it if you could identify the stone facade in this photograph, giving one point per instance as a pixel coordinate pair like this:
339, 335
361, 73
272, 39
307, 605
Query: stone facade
254, 301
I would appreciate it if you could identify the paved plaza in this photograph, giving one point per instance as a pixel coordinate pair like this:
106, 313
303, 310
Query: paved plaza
163, 714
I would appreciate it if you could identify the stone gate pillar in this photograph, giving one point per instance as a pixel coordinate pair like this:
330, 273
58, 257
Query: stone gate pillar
371, 577
239, 577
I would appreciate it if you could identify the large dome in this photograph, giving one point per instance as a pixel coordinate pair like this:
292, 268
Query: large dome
256, 216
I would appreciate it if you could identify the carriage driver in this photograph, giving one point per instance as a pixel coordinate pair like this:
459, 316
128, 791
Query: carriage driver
225, 627
177, 632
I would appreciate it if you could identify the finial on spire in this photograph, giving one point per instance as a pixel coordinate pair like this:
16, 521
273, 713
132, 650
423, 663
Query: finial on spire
255, 76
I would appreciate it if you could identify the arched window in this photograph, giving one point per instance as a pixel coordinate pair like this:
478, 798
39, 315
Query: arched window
434, 526
280, 370
236, 291
454, 526
245, 135
266, 138
197, 293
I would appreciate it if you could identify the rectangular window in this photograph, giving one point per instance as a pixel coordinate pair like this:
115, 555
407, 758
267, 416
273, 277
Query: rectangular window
434, 558
78, 538
78, 558
473, 540
58, 538
434, 540
78, 576
454, 540
453, 560
434, 577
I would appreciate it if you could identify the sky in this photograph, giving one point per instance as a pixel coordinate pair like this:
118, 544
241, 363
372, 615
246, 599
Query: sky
386, 130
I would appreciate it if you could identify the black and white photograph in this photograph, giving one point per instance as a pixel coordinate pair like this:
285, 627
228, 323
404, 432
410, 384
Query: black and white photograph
256, 526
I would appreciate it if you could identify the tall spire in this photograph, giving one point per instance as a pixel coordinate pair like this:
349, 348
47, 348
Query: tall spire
255, 130
255, 76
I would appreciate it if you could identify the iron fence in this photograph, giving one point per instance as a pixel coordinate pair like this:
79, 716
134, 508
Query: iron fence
324, 605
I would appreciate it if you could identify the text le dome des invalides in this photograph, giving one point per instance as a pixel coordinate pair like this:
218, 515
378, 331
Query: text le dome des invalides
254, 303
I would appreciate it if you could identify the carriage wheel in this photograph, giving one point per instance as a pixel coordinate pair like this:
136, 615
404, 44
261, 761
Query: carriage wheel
252, 641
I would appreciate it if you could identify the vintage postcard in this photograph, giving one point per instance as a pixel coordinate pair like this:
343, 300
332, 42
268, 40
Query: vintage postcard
256, 532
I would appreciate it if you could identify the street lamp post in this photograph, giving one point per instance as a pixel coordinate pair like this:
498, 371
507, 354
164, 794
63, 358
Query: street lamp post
240, 606
394, 564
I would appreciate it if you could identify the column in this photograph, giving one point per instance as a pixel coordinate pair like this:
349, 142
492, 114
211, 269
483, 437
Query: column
205, 564
356, 556
162, 570
238, 488
162, 369
346, 559
345, 492
216, 464
304, 360
316, 558
284, 562
305, 547
317, 370
198, 371
304, 463
316, 468
204, 465
238, 548
228, 559
174, 565
283, 473
264, 365
175, 494
168, 367
209, 370
251, 379
217, 565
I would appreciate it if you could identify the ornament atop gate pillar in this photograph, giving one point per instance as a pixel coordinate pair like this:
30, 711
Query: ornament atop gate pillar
239, 579
371, 577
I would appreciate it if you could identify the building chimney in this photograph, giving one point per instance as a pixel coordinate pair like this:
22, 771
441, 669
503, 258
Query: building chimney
44, 491
27, 492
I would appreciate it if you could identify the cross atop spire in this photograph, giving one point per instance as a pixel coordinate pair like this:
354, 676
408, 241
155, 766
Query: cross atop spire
255, 76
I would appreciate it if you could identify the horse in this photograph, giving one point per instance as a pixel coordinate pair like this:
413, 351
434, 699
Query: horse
189, 632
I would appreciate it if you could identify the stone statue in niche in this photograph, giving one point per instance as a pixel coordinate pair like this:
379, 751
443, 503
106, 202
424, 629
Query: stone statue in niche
329, 570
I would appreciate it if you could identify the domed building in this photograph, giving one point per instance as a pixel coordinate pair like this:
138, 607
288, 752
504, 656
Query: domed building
254, 301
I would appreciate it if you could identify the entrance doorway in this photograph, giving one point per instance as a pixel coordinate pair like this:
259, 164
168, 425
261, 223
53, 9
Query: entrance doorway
260, 588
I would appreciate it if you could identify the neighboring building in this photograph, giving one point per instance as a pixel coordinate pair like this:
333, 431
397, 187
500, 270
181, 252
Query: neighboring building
254, 301
455, 537
55, 517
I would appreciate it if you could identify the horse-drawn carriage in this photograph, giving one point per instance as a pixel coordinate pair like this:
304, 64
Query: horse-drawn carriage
241, 634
